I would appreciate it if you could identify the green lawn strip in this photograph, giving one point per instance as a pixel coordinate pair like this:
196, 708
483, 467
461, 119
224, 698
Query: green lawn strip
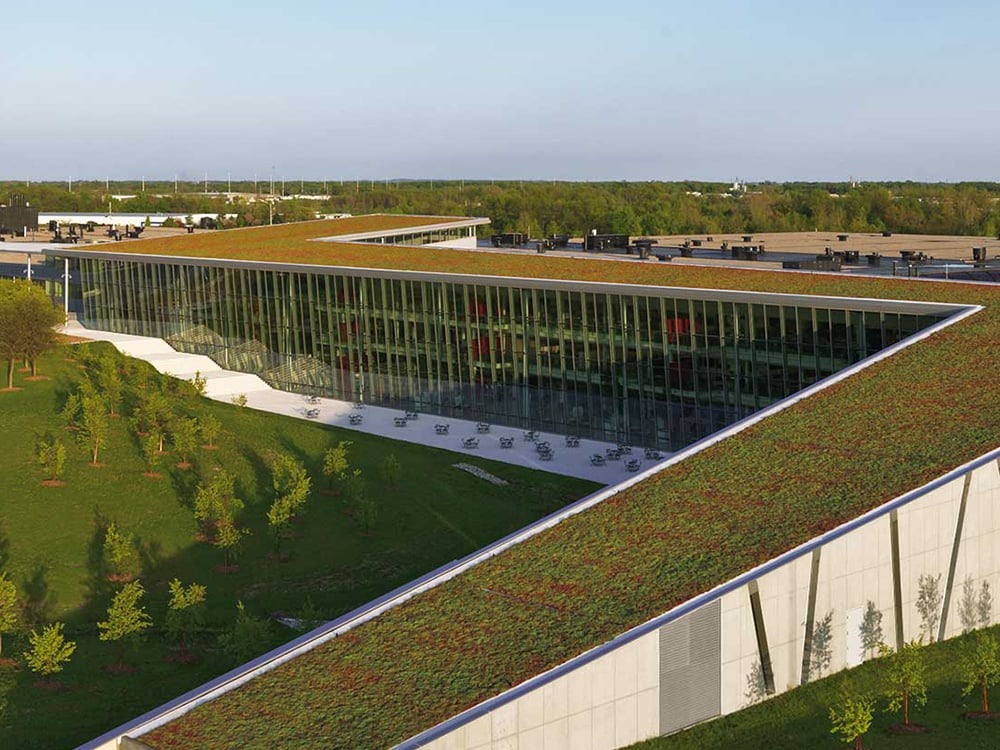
803, 471
800, 718
52, 537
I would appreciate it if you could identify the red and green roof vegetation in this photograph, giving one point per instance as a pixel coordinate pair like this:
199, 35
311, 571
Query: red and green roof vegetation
799, 473
281, 243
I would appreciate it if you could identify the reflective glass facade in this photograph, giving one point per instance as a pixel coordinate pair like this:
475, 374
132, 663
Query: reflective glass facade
656, 367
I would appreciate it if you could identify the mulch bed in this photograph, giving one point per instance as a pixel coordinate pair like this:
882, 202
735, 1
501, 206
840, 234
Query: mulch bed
53, 483
278, 557
981, 715
7, 662
910, 728
53, 686
120, 577
36, 378
152, 475
226, 569
120, 669
181, 657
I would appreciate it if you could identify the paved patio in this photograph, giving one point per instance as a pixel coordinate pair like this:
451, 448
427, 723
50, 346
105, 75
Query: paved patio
225, 385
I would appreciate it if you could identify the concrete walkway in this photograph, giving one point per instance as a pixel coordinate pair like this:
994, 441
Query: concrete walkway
225, 385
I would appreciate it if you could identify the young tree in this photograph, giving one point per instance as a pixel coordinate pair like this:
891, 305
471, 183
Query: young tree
8, 607
215, 500
291, 482
27, 321
981, 667
279, 515
109, 380
51, 455
210, 428
126, 618
184, 434
905, 683
391, 470
247, 637
227, 538
40, 318
94, 425
71, 411
119, 554
335, 462
199, 383
871, 629
185, 612
367, 509
153, 413
151, 453
852, 718
929, 604
49, 650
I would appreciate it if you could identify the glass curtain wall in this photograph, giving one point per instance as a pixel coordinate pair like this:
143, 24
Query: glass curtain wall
654, 371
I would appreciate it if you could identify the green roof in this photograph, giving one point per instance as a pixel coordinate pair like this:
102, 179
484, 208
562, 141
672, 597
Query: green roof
801, 472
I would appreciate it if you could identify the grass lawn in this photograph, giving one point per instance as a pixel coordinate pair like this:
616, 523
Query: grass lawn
50, 541
800, 717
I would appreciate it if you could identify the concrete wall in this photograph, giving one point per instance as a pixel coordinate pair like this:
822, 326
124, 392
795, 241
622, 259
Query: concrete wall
613, 701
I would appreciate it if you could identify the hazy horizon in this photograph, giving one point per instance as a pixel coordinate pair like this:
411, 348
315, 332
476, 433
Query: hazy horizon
580, 91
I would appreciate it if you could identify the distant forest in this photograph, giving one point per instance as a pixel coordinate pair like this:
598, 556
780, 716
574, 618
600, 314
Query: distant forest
543, 208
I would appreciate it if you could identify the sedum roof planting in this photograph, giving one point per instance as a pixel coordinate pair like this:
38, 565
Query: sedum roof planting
796, 474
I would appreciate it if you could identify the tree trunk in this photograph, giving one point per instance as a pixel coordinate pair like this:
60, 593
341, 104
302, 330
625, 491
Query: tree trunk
986, 703
95, 449
857, 743
34, 367
906, 706
10, 373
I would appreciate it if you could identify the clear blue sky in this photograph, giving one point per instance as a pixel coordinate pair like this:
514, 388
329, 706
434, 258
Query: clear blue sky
633, 89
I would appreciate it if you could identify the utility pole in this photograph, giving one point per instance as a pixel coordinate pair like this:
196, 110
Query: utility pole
143, 184
206, 182
70, 181
229, 182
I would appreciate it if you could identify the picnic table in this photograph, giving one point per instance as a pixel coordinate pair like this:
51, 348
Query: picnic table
412, 415
399, 421
633, 464
530, 435
312, 413
354, 419
546, 455
470, 442
613, 454
312, 399
652, 454
441, 429
572, 441
482, 427
624, 449
597, 460
543, 446
506, 442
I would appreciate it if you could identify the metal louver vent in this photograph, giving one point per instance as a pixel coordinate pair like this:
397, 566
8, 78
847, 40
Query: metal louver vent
691, 668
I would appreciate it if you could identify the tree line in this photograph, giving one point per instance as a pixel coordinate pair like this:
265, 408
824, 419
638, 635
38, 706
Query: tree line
544, 208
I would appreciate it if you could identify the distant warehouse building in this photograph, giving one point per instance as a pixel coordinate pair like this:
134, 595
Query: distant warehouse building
838, 445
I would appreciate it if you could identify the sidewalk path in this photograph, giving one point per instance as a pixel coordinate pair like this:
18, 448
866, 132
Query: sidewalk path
225, 385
